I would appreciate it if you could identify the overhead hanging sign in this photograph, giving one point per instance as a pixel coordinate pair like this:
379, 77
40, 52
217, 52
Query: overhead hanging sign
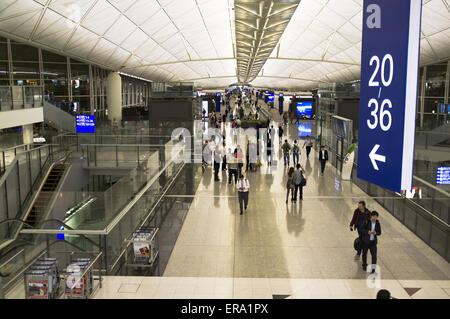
387, 112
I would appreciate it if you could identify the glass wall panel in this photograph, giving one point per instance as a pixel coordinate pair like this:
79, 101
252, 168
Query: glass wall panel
55, 81
80, 78
50, 57
3, 51
23, 52
435, 82
25, 73
4, 73
432, 105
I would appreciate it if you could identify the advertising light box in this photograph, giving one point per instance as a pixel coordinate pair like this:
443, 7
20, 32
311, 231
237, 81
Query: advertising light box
304, 108
85, 123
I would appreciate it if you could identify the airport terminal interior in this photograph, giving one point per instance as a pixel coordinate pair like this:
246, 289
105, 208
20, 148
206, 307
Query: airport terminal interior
224, 149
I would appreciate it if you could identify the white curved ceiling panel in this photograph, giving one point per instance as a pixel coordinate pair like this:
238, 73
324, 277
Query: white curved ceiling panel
210, 41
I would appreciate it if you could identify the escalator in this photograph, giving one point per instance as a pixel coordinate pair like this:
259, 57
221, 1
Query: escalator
39, 208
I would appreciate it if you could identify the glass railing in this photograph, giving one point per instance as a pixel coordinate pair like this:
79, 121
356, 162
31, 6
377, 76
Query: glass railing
115, 214
19, 97
7, 155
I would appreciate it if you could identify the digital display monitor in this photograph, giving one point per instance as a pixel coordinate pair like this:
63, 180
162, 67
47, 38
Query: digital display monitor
339, 127
443, 176
85, 123
304, 129
304, 108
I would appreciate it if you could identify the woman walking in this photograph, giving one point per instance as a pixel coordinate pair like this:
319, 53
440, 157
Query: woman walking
290, 184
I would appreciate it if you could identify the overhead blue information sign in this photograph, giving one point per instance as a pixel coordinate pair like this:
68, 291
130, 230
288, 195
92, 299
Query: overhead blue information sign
389, 72
443, 176
85, 124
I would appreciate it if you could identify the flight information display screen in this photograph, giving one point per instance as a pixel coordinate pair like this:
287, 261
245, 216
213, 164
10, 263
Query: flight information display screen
443, 176
85, 123
304, 108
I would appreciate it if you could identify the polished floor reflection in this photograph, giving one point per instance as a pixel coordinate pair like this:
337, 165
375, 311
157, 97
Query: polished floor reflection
307, 239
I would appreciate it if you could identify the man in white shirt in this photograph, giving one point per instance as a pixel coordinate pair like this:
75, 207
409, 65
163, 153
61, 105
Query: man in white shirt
243, 186
371, 231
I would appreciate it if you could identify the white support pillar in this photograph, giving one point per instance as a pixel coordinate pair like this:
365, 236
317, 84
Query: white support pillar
27, 134
114, 96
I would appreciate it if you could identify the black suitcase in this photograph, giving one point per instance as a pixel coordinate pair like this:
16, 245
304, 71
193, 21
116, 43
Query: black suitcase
358, 244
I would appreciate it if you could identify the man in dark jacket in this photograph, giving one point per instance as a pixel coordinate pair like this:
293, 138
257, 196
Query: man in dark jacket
360, 216
323, 158
371, 231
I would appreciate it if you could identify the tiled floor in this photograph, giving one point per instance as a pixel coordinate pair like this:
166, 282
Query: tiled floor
304, 250
264, 288
309, 239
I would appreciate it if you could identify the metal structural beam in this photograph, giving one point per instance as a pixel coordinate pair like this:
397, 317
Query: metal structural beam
257, 77
259, 26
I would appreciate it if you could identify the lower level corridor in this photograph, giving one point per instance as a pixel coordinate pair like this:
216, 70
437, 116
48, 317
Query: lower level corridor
279, 250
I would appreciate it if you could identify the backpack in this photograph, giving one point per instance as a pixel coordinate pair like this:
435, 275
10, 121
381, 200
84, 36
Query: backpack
295, 149
303, 182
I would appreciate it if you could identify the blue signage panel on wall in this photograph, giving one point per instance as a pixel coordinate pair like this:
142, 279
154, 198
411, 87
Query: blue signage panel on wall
85, 124
387, 112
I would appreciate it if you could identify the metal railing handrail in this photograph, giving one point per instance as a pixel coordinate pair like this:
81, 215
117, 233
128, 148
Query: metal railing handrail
16, 146
11, 258
125, 145
11, 165
115, 135
443, 192
7, 220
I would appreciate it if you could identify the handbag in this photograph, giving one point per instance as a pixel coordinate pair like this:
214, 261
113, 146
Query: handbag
303, 182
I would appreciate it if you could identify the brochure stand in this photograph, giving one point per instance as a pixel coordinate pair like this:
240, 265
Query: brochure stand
81, 284
145, 247
42, 279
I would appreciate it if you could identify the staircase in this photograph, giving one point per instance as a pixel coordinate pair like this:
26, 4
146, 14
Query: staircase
39, 209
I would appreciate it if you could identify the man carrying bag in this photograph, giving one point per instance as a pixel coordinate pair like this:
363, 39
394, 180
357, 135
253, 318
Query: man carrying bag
360, 216
299, 182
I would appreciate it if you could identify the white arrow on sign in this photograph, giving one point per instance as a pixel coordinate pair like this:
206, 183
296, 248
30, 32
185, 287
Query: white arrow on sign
376, 157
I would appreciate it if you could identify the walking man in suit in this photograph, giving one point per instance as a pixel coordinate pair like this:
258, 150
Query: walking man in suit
323, 158
371, 231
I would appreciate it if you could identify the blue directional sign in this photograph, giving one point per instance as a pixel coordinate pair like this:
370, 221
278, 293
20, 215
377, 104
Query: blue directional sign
389, 72
85, 124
